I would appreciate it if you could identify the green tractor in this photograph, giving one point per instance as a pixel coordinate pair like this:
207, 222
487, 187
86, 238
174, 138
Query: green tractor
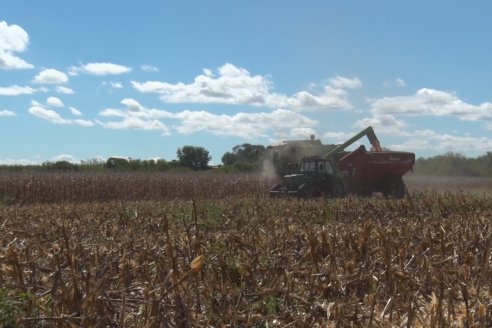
317, 176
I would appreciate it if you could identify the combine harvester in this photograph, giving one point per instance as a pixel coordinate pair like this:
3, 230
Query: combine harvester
359, 172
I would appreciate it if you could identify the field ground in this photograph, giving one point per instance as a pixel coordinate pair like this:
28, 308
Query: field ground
474, 185
107, 251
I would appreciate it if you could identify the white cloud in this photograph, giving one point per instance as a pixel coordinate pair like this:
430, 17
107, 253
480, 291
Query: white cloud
246, 125
75, 111
149, 68
100, 69
64, 90
400, 82
384, 124
433, 141
330, 98
10, 161
84, 123
132, 105
397, 82
16, 90
4, 113
137, 123
13, 39
431, 102
236, 86
47, 114
64, 157
110, 86
54, 101
51, 116
208, 72
341, 82
50, 76
136, 117
386, 116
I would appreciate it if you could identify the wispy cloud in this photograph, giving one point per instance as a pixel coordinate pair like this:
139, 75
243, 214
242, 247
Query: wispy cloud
64, 90
400, 82
341, 82
149, 68
75, 111
16, 90
99, 69
10, 161
13, 39
245, 125
54, 117
5, 113
47, 114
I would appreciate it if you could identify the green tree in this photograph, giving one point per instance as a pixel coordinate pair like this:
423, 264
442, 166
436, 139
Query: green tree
245, 153
229, 158
195, 158
60, 166
117, 163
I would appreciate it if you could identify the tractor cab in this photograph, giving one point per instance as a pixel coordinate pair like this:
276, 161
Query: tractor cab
317, 176
316, 165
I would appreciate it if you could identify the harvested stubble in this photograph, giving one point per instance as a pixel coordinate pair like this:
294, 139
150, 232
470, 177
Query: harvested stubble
420, 262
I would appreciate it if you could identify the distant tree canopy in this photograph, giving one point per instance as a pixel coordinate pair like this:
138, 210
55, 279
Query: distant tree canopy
123, 164
245, 153
455, 164
195, 158
60, 166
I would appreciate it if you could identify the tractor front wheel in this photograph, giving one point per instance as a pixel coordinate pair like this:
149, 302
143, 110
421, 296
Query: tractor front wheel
274, 191
306, 190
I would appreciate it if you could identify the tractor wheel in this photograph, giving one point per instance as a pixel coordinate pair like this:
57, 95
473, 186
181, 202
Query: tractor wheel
306, 190
275, 188
394, 187
337, 189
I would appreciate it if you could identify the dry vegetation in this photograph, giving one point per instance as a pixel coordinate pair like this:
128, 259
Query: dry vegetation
213, 250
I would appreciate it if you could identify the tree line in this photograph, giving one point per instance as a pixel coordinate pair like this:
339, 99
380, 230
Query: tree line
455, 164
245, 157
248, 157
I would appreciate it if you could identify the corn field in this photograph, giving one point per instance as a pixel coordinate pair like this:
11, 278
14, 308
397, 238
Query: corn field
213, 250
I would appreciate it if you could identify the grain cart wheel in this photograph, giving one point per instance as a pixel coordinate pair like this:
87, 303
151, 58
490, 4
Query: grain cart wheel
337, 189
394, 187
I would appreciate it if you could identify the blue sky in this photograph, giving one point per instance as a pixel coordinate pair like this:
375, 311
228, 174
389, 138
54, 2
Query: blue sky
94, 79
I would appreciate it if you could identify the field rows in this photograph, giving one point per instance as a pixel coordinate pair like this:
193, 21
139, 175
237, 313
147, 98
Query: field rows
422, 261
83, 187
